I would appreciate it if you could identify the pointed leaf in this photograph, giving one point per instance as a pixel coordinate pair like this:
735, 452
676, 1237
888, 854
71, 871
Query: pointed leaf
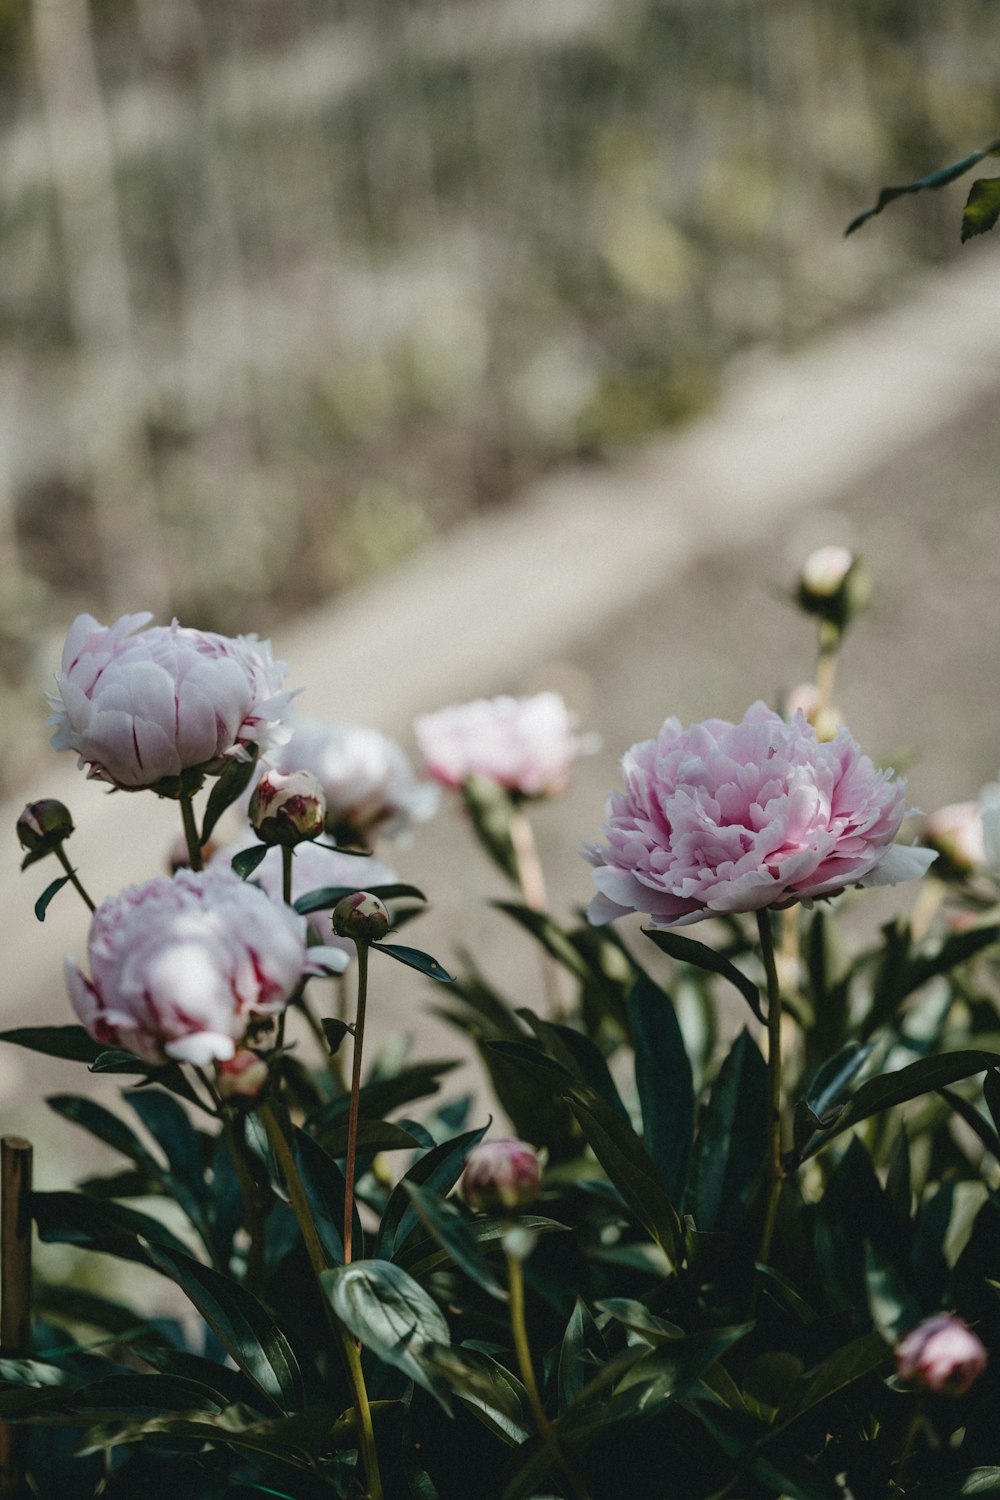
228, 787
42, 904
326, 1189
74, 1219
438, 1171
453, 1232
491, 813
700, 956
420, 1257
729, 1152
664, 1081
327, 896
582, 1346
548, 933
392, 1316
247, 860
69, 1042
982, 208
415, 959
241, 1323
935, 180
850, 1363
105, 1126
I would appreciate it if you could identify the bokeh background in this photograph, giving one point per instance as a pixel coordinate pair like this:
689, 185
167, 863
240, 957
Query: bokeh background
290, 288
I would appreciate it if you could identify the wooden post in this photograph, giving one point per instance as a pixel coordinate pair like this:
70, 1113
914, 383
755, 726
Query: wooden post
15, 1288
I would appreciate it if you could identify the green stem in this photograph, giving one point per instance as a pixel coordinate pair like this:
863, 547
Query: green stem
349, 1351
332, 1060
352, 1118
773, 1083
909, 1443
287, 855
522, 1348
61, 855
191, 832
532, 882
826, 668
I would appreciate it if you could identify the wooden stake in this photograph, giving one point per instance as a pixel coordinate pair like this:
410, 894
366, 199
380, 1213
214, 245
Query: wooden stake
15, 1288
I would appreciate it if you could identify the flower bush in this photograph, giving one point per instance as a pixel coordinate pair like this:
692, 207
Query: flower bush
711, 1260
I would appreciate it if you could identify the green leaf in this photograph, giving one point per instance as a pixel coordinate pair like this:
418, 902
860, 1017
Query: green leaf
578, 1055
415, 959
325, 1188
832, 1080
453, 1232
74, 1219
169, 1125
700, 956
294, 1440
169, 1076
975, 1121
969, 1485
69, 1042
44, 900
229, 786
664, 1081
438, 1171
421, 1257
105, 1126
379, 1098
392, 1316
982, 207
582, 1346
637, 1316
247, 860
893, 1309
921, 1077
335, 1031
548, 933
991, 1093
729, 1151
327, 896
492, 813
851, 1362
669, 1373
486, 1388
936, 179
373, 1135
241, 1323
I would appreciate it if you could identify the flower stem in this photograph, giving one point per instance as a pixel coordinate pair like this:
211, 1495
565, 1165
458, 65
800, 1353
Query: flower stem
773, 1083
522, 1348
332, 1060
532, 883
287, 855
909, 1443
74, 880
826, 668
352, 1118
191, 832
349, 1351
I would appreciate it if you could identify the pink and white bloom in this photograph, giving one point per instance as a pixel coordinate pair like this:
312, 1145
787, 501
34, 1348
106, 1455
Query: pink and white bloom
314, 867
368, 781
140, 706
179, 968
956, 832
736, 817
501, 1176
526, 745
287, 808
942, 1354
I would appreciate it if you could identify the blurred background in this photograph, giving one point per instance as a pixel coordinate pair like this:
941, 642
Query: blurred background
291, 289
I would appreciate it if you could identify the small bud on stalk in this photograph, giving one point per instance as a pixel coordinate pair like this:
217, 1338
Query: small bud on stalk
941, 1355
956, 832
834, 586
288, 809
361, 916
243, 1076
43, 826
501, 1176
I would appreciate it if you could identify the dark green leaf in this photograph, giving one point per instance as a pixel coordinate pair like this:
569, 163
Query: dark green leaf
700, 956
44, 900
294, 1440
73, 1219
415, 959
637, 1316
492, 813
921, 1077
892, 1307
969, 1485
453, 1232
325, 1188
105, 1126
579, 1056
69, 1042
373, 1135
241, 1324
393, 1316
247, 860
327, 896
851, 1362
975, 1121
491, 1392
664, 1081
831, 1082
420, 1257
169, 1076
230, 785
935, 180
729, 1152
438, 1171
378, 1099
991, 1093
548, 933
668, 1372
982, 208
335, 1031
582, 1346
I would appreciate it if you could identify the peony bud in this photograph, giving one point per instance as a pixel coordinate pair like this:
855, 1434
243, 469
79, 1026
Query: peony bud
243, 1076
833, 585
43, 826
288, 809
501, 1176
956, 832
362, 917
942, 1355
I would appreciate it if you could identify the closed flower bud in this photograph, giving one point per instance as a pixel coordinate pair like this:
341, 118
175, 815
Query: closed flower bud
361, 916
243, 1076
941, 1355
833, 585
288, 809
44, 825
956, 832
501, 1176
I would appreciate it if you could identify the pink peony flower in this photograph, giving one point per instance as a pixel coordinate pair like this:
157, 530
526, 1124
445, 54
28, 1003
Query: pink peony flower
287, 809
501, 1176
942, 1354
367, 779
180, 967
735, 817
140, 706
524, 744
316, 865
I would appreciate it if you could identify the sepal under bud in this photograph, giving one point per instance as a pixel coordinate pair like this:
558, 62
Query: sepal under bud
43, 826
501, 1176
833, 585
243, 1076
361, 916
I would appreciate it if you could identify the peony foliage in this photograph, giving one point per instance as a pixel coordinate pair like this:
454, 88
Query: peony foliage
718, 1218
